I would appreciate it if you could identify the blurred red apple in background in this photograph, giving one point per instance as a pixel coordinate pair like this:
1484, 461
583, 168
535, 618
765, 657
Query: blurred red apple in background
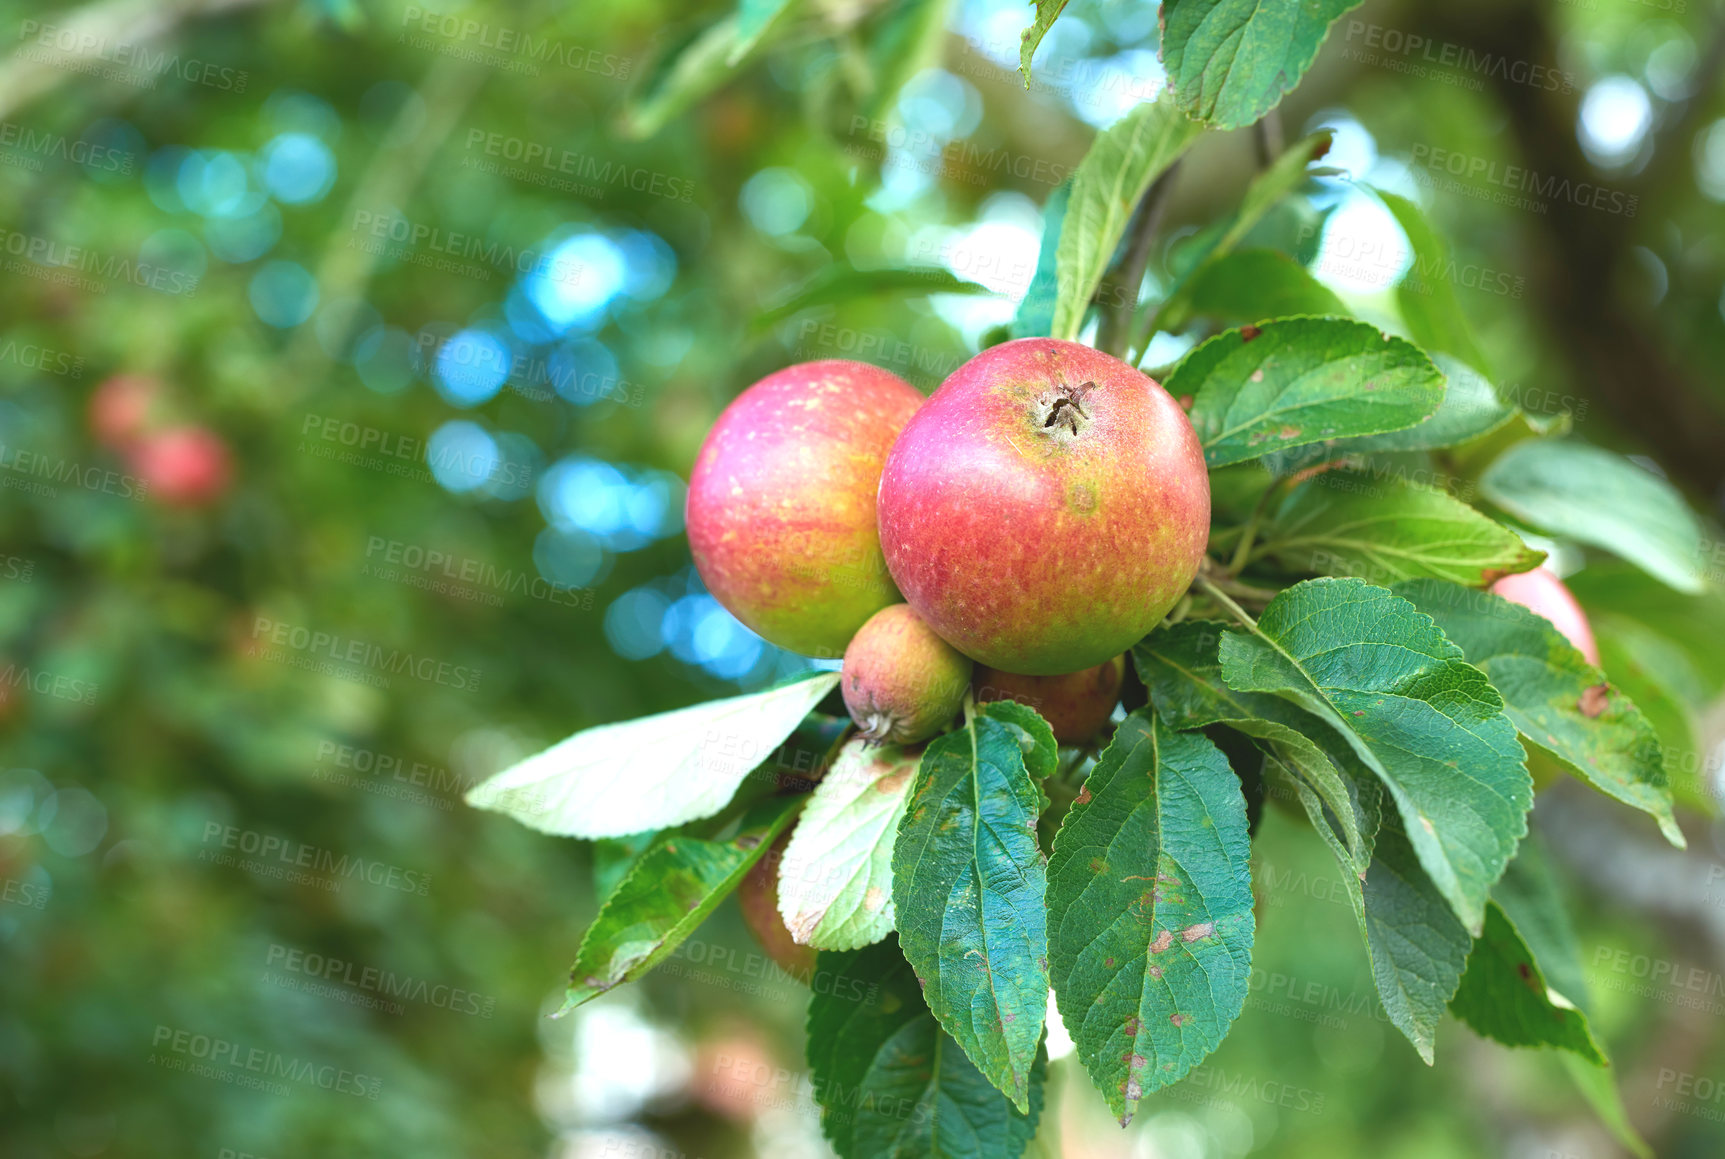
120, 409
184, 466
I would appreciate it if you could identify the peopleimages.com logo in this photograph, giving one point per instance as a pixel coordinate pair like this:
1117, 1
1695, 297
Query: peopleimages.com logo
273, 856
230, 1061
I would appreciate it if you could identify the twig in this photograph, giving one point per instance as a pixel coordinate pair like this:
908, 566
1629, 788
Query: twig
394, 172
1117, 321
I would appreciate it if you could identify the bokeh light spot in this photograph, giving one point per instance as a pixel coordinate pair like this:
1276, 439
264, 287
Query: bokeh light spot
776, 201
284, 294
462, 455
471, 367
298, 168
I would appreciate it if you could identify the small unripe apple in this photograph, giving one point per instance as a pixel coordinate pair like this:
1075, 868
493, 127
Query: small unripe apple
183, 466
1076, 706
1045, 508
758, 897
1540, 591
781, 511
901, 682
120, 409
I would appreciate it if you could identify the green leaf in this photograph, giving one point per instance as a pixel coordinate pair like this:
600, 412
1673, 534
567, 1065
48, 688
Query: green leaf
754, 17
946, 1107
1556, 699
1180, 668
1415, 944
1034, 735
1386, 530
890, 1081
651, 773
1302, 380
1590, 494
666, 895
1599, 1088
1532, 898
1284, 175
835, 879
1427, 298
1418, 948
1151, 888
614, 857
1035, 317
1047, 11
1654, 671
1256, 284
1230, 61
1471, 408
689, 72
1504, 997
843, 282
1107, 186
906, 37
968, 883
1381, 673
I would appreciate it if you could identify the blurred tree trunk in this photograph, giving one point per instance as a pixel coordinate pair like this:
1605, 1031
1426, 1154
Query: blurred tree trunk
1583, 256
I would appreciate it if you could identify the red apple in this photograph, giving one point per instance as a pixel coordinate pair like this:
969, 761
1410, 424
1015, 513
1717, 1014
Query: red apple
183, 466
781, 511
1542, 592
1076, 706
758, 897
901, 682
120, 409
1045, 508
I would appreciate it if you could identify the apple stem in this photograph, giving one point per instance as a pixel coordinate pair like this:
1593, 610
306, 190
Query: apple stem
1248, 536
1233, 609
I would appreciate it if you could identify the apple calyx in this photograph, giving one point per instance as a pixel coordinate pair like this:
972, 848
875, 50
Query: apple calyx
1063, 409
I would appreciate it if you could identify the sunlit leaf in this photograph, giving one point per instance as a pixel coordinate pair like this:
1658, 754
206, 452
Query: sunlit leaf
835, 878
1106, 188
652, 773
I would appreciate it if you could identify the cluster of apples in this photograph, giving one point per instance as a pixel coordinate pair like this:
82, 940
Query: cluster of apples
1013, 534
180, 464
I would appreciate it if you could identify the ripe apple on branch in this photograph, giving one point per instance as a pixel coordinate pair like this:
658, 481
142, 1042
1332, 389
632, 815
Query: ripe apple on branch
1084, 629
